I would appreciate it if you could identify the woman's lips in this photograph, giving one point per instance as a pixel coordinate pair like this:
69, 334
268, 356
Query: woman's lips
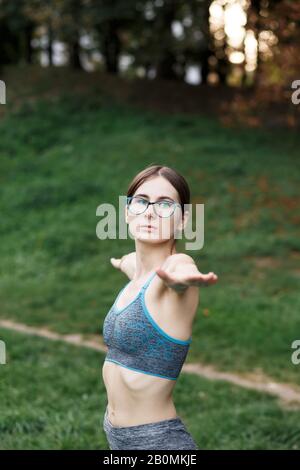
148, 227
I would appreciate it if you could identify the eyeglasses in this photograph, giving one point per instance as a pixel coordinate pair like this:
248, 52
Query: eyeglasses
163, 208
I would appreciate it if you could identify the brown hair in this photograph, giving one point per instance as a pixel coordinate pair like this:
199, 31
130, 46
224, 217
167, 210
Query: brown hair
176, 180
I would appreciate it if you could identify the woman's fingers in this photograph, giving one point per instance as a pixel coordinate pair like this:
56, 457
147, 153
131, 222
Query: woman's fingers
115, 262
203, 279
192, 279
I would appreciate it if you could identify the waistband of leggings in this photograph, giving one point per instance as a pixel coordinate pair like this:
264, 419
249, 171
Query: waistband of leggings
163, 424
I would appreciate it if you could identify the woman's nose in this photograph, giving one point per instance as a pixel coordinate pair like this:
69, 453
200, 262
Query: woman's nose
150, 211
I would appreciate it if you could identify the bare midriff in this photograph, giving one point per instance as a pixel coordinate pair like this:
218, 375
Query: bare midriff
135, 398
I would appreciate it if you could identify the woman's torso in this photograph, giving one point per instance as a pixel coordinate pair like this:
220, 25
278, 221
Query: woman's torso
134, 397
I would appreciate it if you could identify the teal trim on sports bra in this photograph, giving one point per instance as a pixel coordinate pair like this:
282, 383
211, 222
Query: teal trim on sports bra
146, 311
135, 341
138, 294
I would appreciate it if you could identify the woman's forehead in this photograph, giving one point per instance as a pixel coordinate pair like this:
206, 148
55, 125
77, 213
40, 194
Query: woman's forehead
157, 187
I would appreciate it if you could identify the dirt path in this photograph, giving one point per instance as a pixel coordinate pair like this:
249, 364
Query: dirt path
288, 394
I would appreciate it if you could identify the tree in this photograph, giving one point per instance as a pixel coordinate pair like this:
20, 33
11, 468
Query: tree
16, 32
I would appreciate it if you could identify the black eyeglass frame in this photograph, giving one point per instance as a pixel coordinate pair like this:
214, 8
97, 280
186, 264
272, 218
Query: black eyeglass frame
129, 198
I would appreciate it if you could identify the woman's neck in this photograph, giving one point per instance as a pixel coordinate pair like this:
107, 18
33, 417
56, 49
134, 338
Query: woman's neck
150, 257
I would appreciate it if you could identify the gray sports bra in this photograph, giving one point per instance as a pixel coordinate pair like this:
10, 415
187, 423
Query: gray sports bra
137, 342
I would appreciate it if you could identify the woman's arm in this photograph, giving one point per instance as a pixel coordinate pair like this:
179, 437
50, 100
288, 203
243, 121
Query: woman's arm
179, 272
126, 264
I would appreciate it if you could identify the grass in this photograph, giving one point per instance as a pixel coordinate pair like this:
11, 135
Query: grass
52, 397
64, 155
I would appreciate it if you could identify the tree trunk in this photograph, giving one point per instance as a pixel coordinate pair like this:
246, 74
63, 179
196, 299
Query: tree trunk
165, 67
206, 51
28, 33
50, 45
205, 66
111, 47
75, 54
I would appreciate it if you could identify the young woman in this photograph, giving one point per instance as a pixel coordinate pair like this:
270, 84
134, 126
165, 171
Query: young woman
148, 328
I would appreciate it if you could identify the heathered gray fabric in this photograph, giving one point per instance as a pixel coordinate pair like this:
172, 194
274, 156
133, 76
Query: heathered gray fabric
168, 434
135, 341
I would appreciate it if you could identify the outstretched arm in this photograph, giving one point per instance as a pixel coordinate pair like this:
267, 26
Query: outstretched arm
179, 272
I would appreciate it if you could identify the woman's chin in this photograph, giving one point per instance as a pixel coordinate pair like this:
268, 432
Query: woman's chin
147, 237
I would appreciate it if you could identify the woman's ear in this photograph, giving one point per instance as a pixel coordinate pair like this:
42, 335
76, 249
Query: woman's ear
178, 230
183, 222
185, 219
181, 226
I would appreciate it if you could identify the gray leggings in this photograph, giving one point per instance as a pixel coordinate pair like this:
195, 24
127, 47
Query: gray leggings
168, 434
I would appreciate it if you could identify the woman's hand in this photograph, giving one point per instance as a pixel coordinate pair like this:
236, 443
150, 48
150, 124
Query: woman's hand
180, 271
126, 264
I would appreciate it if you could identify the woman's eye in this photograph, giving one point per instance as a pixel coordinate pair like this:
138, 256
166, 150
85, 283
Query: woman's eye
165, 204
142, 201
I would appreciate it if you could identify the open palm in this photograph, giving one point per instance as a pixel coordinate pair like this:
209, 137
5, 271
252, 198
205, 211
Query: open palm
184, 276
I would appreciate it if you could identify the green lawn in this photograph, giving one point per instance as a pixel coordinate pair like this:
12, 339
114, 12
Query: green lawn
53, 397
61, 157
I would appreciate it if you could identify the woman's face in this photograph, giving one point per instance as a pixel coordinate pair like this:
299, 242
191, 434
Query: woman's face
162, 228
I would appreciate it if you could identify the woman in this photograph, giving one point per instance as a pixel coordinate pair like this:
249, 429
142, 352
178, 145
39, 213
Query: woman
148, 328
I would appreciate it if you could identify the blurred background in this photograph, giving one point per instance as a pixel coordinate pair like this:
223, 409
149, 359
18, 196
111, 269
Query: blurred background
96, 90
